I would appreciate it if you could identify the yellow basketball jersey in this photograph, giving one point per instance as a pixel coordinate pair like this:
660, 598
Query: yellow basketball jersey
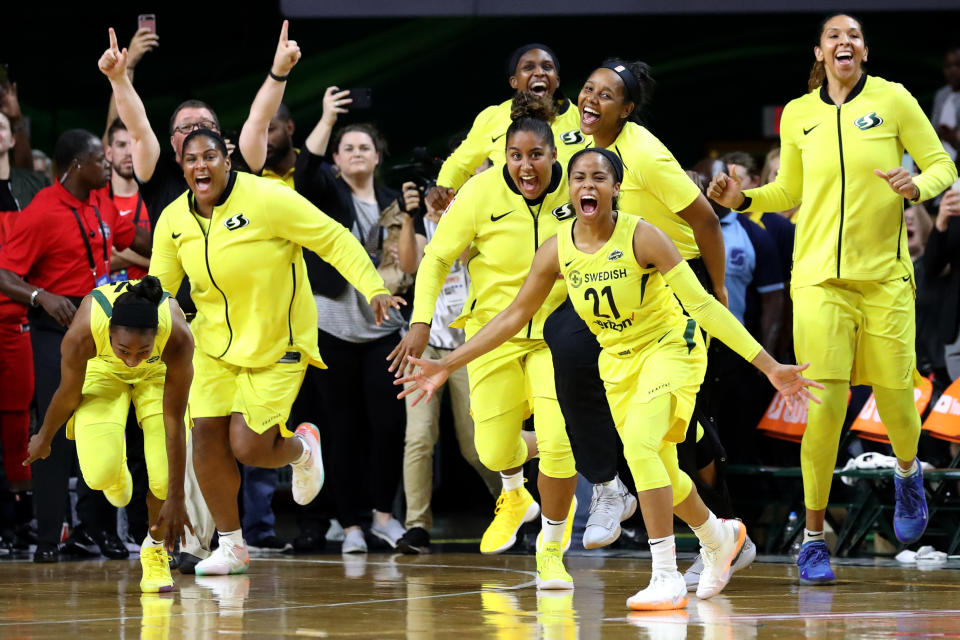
625, 305
100, 313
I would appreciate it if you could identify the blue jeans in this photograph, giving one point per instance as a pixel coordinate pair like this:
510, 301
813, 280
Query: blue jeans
258, 487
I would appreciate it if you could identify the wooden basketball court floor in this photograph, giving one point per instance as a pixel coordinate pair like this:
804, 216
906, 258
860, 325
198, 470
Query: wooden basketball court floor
466, 595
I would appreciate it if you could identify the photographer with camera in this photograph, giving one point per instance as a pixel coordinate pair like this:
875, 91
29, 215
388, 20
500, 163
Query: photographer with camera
356, 394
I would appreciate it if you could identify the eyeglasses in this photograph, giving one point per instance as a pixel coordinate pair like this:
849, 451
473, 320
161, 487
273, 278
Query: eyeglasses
186, 128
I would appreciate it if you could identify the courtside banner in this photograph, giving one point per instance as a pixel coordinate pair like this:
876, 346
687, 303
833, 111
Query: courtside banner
781, 422
944, 421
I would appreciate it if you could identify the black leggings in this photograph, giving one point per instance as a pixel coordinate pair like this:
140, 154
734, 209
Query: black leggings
362, 424
593, 437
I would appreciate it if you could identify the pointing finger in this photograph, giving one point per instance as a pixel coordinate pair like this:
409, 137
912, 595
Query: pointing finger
881, 174
283, 31
113, 38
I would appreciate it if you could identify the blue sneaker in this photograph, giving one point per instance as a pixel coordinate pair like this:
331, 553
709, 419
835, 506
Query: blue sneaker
910, 514
814, 563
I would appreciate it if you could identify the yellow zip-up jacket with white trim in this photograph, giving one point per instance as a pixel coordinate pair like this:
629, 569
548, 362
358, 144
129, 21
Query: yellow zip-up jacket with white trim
504, 231
850, 224
486, 139
246, 269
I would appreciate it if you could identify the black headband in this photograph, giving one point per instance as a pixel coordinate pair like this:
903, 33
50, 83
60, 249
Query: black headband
137, 313
611, 157
207, 133
514, 58
634, 92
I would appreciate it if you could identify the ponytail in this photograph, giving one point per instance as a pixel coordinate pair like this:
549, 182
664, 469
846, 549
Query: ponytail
817, 75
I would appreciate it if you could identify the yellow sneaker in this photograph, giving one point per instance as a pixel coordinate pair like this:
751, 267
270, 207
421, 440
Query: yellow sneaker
119, 494
156, 570
551, 573
567, 531
513, 509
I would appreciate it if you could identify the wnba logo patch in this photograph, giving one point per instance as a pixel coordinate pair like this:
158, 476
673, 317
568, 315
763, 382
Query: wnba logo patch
236, 222
868, 121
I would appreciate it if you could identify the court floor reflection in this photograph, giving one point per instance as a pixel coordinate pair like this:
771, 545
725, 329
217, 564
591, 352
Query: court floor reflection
464, 596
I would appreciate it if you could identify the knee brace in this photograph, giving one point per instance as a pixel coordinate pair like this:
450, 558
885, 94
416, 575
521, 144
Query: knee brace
553, 444
498, 441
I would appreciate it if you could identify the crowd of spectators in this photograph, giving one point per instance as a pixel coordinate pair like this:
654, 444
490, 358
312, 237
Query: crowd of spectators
86, 217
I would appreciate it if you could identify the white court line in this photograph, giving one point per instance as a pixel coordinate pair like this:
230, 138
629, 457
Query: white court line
839, 615
183, 614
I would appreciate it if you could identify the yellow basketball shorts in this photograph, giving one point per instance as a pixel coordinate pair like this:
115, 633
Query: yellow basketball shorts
675, 365
99, 423
507, 385
263, 395
857, 331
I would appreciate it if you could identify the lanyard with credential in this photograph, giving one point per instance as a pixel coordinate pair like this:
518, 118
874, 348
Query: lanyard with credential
89, 247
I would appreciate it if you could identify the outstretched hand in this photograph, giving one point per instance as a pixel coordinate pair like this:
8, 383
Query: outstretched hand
412, 344
794, 388
381, 306
113, 62
288, 52
429, 377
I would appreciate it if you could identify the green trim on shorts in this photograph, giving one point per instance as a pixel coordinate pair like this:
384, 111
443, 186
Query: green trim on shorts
689, 333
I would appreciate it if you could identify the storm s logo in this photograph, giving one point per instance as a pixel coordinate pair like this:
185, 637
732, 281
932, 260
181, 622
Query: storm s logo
563, 212
572, 137
236, 222
868, 121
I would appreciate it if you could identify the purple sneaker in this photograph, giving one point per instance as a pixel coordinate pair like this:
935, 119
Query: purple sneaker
814, 564
910, 514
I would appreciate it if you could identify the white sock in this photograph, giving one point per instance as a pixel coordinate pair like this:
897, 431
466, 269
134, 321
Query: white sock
664, 551
552, 529
906, 473
512, 481
710, 533
236, 537
812, 536
305, 454
149, 541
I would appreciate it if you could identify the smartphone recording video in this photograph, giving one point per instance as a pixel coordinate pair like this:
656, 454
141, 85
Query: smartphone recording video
147, 21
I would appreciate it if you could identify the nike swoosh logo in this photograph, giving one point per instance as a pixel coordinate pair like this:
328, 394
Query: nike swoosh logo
905, 278
806, 131
498, 137
176, 235
125, 212
568, 262
494, 218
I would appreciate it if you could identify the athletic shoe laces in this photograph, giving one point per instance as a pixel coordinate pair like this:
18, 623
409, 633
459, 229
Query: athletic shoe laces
814, 554
909, 498
157, 562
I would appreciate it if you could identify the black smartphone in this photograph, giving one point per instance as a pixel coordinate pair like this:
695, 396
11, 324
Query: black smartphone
362, 98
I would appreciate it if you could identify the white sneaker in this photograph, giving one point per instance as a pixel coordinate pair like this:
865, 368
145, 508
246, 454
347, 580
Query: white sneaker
609, 506
308, 476
743, 560
389, 533
665, 591
228, 559
353, 542
718, 559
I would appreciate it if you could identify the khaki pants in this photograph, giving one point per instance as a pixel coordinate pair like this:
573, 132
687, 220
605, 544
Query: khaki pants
423, 431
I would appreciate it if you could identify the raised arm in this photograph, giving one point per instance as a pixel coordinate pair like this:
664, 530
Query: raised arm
142, 41
253, 136
76, 349
333, 105
178, 356
652, 246
543, 275
145, 145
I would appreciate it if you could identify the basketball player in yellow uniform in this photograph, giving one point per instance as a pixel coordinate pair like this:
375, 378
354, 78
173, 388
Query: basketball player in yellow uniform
504, 214
852, 285
129, 342
617, 269
240, 238
533, 68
